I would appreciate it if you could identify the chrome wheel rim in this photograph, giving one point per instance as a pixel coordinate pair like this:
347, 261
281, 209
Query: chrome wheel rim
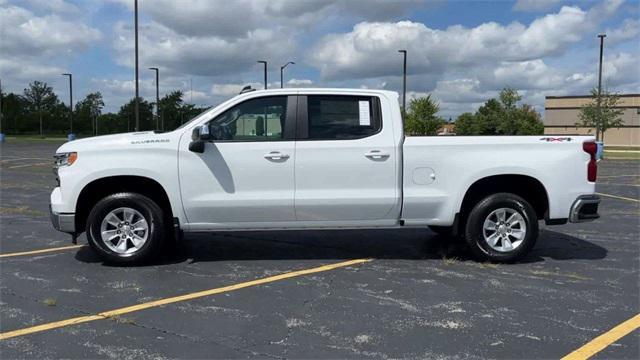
504, 229
124, 230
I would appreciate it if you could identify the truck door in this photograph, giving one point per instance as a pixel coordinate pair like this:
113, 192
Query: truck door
246, 172
345, 160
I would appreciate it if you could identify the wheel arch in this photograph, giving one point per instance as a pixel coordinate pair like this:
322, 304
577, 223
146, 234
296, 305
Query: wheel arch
102, 187
525, 186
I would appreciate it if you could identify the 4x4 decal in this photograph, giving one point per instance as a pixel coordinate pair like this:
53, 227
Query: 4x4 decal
555, 139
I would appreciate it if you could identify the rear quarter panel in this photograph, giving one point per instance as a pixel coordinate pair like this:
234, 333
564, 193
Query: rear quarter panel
459, 161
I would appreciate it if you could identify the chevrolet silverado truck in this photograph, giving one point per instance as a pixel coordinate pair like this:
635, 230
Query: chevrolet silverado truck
315, 159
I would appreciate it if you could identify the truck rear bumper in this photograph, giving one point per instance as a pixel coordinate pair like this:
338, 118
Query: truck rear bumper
585, 208
63, 222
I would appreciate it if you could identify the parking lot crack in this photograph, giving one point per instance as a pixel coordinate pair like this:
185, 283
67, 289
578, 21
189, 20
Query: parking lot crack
7, 292
196, 339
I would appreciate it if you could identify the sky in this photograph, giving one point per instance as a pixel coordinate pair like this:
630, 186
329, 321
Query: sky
460, 52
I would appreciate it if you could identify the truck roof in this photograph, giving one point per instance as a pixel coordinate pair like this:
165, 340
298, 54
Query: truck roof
325, 91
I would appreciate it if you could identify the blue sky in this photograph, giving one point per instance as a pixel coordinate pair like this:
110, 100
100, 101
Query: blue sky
461, 52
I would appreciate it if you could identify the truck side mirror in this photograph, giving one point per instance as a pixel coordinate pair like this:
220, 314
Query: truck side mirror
199, 137
201, 133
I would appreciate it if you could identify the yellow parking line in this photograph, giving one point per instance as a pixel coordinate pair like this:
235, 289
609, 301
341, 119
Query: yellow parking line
41, 251
601, 342
619, 197
160, 302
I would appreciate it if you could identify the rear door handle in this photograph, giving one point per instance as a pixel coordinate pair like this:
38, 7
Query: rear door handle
276, 155
376, 154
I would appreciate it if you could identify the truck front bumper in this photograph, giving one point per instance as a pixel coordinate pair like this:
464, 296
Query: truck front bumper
63, 222
585, 208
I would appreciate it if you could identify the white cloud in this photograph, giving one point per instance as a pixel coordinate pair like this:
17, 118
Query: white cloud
370, 50
629, 30
534, 5
25, 34
230, 19
26, 71
299, 83
56, 6
621, 69
231, 89
199, 55
534, 74
195, 97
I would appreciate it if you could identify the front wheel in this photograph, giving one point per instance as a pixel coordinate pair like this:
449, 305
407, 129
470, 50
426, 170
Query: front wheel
126, 228
502, 227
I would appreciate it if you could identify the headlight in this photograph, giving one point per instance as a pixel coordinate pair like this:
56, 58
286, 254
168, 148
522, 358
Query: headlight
65, 159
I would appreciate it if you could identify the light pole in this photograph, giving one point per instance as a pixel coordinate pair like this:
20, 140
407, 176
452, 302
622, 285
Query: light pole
265, 72
1, 133
598, 125
70, 136
157, 95
281, 73
404, 83
137, 102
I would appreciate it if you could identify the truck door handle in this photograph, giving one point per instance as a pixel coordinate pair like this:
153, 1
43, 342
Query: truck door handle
376, 154
276, 155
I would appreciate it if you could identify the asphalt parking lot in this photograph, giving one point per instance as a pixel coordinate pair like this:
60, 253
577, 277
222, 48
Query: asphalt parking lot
419, 297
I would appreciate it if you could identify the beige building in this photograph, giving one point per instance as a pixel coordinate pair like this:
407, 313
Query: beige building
561, 115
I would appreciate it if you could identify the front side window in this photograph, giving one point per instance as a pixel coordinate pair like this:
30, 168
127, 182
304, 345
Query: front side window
260, 119
342, 117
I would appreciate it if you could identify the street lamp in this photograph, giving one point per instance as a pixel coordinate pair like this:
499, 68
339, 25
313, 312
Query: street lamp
135, 5
404, 83
601, 36
70, 136
281, 72
157, 95
265, 72
1, 133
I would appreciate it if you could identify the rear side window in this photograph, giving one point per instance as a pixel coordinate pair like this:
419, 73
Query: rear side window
342, 117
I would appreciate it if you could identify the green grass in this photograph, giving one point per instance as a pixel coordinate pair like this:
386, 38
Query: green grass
613, 147
621, 155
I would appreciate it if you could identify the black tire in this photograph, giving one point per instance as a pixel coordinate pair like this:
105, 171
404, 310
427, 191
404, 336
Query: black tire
153, 215
444, 231
474, 230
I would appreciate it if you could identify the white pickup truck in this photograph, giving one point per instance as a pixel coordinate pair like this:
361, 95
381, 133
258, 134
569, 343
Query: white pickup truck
317, 159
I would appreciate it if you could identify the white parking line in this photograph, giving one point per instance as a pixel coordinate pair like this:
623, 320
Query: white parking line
27, 165
20, 159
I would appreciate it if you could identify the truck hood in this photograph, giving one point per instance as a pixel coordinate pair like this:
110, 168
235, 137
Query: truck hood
119, 141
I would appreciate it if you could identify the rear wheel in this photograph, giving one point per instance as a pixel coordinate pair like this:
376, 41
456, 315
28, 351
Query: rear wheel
501, 227
126, 228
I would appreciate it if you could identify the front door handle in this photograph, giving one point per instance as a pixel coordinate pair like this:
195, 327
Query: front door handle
377, 154
276, 155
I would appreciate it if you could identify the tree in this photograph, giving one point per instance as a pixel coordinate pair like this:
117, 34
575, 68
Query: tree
110, 124
501, 116
467, 124
601, 113
88, 110
13, 108
421, 119
127, 115
175, 112
170, 109
40, 98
